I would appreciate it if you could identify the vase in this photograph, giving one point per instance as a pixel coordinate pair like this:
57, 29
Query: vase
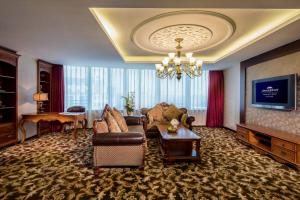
129, 113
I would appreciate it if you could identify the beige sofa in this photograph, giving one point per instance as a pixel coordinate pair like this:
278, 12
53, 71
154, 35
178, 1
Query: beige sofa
165, 112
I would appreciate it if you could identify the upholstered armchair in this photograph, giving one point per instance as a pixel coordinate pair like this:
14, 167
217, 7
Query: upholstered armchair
150, 125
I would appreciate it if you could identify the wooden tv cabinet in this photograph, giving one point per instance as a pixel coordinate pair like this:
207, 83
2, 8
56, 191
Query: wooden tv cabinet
282, 146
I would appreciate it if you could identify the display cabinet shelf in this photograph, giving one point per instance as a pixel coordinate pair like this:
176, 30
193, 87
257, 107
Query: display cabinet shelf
8, 97
4, 108
44, 74
10, 77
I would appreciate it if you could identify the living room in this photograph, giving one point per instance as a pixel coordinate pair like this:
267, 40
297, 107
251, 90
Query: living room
149, 99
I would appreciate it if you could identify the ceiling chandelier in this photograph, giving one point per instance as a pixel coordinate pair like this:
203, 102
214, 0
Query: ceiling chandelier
175, 64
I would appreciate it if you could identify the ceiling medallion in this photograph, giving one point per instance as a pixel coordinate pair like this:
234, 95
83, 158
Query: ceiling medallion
200, 30
175, 64
194, 36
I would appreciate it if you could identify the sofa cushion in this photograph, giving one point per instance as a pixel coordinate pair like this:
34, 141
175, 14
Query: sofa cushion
136, 129
120, 119
101, 127
153, 126
172, 112
156, 114
112, 123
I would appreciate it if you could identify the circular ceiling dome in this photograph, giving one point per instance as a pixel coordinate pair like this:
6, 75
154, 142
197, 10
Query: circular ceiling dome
200, 30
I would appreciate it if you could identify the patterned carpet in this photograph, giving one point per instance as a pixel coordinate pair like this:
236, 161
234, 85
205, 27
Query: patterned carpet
53, 167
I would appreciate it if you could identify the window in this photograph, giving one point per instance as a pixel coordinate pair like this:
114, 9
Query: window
116, 88
76, 86
99, 87
199, 92
174, 91
93, 87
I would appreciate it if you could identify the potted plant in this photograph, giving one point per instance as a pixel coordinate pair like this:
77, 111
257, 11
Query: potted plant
129, 103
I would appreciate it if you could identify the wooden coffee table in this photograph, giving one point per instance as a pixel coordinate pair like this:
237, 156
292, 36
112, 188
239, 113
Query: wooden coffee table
179, 145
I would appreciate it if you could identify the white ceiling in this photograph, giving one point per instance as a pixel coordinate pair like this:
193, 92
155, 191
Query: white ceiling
65, 31
122, 24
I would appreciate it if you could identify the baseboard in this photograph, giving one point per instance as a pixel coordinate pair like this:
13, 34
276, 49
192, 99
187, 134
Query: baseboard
218, 127
229, 129
198, 126
28, 138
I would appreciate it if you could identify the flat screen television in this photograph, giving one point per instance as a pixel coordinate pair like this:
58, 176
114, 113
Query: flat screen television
275, 93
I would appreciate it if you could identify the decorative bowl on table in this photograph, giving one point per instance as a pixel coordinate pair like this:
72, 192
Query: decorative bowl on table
172, 129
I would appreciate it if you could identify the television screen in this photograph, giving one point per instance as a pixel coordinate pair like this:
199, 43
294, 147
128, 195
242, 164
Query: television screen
272, 91
276, 92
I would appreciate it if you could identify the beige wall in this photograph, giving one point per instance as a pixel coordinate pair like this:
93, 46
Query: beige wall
27, 85
231, 96
283, 120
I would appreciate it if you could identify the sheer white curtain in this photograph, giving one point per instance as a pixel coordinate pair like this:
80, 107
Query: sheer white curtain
174, 91
93, 87
99, 88
148, 84
76, 86
199, 98
117, 88
199, 92
133, 77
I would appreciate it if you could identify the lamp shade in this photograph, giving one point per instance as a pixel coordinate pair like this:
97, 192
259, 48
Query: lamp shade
40, 96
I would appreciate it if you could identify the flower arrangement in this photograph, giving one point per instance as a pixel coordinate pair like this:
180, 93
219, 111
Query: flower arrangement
174, 123
129, 103
174, 126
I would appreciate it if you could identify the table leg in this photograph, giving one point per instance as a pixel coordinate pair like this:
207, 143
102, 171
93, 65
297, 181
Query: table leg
198, 149
64, 126
38, 129
75, 136
85, 127
21, 125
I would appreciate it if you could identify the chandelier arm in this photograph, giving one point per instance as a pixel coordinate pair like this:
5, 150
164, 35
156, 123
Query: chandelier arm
178, 66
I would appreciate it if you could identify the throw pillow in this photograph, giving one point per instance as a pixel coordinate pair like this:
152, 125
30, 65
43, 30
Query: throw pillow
112, 123
183, 120
156, 113
101, 127
120, 119
172, 112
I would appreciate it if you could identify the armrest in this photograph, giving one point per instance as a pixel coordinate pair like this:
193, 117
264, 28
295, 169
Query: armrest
133, 120
145, 122
94, 124
118, 139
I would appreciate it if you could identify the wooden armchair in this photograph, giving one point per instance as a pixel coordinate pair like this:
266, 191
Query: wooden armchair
73, 109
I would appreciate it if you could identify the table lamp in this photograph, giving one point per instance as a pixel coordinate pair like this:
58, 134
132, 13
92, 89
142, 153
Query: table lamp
39, 98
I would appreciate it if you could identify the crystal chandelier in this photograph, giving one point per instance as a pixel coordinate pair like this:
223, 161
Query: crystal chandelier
175, 64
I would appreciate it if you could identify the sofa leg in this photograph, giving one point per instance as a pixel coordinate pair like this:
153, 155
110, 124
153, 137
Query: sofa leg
97, 170
141, 168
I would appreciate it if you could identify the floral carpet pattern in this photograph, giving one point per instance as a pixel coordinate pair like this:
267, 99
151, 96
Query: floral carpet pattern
54, 167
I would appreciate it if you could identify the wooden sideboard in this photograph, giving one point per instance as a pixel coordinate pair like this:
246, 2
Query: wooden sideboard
282, 146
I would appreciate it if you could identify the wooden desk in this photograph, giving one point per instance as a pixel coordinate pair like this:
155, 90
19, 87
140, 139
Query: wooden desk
75, 117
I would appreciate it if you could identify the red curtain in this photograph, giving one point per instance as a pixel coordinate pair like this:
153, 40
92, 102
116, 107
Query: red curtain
57, 93
215, 107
